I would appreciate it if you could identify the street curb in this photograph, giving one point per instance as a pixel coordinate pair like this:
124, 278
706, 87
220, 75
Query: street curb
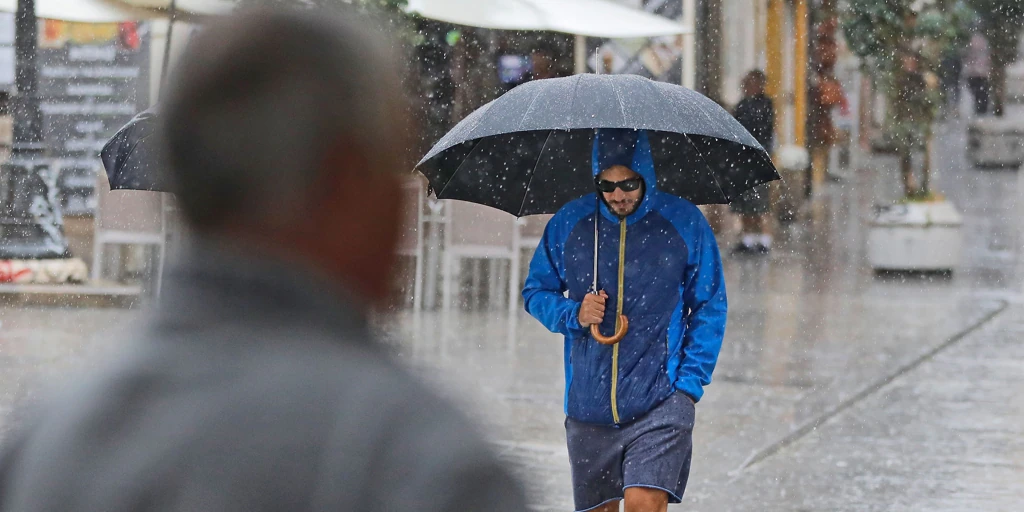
812, 424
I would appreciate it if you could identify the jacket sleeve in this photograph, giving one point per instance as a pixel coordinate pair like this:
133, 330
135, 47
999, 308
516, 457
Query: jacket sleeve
545, 287
705, 306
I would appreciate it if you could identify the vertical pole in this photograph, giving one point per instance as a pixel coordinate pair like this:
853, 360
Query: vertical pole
515, 262
580, 54
167, 44
709, 51
28, 127
689, 57
773, 56
164, 232
800, 22
30, 221
421, 224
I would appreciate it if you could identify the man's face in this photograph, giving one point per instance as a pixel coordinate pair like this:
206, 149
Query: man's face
621, 202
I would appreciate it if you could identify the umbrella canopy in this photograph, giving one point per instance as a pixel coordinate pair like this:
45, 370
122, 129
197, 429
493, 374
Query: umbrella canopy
531, 150
196, 7
596, 18
82, 11
132, 158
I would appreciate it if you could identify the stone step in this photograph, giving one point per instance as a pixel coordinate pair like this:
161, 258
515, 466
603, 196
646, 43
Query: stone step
91, 294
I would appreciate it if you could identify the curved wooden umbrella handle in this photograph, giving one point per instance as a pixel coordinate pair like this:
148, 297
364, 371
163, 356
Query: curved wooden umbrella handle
595, 331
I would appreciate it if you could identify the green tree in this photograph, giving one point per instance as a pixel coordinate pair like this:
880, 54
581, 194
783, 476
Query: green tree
1002, 23
900, 43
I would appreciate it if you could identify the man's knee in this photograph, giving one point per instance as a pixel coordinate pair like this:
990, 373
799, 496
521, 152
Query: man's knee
646, 499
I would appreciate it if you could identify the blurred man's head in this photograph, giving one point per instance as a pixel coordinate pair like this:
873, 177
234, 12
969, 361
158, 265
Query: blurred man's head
754, 83
542, 63
285, 133
621, 188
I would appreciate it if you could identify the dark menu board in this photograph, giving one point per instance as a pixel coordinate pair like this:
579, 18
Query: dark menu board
93, 78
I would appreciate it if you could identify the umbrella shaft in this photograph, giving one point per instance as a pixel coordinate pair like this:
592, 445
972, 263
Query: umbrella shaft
167, 44
597, 213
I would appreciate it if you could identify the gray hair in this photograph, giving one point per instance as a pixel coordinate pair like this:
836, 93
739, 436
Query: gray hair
259, 100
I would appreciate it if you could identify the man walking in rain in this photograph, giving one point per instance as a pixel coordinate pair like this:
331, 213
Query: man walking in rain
257, 385
629, 400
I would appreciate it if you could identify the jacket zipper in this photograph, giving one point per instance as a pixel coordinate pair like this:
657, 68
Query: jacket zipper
618, 313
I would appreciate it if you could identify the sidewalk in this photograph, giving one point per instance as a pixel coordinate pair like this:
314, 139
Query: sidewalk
938, 431
946, 436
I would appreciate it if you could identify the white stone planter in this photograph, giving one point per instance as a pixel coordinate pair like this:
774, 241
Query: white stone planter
1015, 83
995, 142
923, 237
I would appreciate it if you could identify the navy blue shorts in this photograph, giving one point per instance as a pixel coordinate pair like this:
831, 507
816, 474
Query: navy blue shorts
652, 451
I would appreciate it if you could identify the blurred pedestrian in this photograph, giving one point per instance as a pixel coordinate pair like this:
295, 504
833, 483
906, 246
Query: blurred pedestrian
542, 63
630, 404
757, 114
951, 67
977, 65
257, 385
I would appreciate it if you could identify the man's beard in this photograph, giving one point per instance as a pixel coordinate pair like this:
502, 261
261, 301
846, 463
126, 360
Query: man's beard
632, 209
629, 209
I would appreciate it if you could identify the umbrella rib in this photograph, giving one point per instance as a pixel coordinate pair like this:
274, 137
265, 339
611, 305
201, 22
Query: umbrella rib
698, 108
701, 155
622, 107
710, 170
534, 172
572, 106
459, 168
480, 119
529, 109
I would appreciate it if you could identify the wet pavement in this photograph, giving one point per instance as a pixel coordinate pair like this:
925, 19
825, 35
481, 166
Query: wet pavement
945, 436
836, 389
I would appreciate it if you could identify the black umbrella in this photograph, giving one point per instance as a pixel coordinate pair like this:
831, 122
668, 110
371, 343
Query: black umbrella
132, 157
529, 151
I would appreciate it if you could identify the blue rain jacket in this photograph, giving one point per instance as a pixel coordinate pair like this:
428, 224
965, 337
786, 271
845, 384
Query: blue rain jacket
674, 294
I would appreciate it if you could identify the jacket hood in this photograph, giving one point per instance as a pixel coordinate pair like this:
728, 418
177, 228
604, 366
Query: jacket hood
631, 148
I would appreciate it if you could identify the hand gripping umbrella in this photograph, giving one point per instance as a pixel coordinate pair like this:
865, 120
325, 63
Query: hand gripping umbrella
531, 150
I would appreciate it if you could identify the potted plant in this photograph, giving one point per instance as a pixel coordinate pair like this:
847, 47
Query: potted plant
899, 42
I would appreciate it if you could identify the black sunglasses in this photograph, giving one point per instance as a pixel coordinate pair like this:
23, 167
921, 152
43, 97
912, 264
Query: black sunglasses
626, 185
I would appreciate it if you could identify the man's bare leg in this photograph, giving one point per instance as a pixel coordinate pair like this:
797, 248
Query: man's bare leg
612, 506
645, 499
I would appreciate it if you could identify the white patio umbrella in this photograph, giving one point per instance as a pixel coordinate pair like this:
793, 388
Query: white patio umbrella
179, 7
83, 11
595, 18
